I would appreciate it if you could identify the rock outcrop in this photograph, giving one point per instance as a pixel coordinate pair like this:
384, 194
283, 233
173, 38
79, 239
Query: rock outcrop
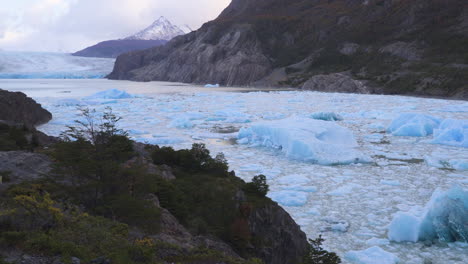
275, 227
335, 82
16, 107
393, 44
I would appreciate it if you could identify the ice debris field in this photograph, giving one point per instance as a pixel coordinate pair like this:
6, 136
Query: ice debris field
384, 179
46, 65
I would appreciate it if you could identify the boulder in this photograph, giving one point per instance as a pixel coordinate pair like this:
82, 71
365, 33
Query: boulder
16, 107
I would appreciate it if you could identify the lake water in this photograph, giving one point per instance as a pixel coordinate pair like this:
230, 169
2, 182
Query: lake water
350, 205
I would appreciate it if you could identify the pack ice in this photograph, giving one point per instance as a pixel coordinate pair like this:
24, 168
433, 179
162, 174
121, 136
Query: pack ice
371, 255
445, 217
309, 140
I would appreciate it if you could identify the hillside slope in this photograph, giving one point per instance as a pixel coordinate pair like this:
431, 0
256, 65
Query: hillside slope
390, 46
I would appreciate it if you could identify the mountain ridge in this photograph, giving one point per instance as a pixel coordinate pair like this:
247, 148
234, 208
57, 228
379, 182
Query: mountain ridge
157, 34
393, 47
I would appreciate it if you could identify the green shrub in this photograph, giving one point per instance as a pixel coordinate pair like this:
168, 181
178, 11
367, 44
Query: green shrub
317, 254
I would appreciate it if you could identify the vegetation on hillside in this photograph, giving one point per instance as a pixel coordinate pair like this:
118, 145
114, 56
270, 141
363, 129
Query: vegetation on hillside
97, 205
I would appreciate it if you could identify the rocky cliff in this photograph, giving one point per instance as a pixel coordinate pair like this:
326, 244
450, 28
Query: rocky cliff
18, 108
395, 46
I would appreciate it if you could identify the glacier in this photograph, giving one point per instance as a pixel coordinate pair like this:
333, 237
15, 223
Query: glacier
46, 65
314, 141
445, 217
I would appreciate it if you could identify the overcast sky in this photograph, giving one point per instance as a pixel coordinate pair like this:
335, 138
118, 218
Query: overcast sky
70, 25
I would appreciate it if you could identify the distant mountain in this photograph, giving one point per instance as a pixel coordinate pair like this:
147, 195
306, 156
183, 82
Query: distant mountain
161, 29
417, 47
113, 48
157, 34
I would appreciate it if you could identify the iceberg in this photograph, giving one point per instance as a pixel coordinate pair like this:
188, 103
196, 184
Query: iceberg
445, 217
452, 132
371, 255
212, 86
304, 139
413, 125
111, 94
289, 198
326, 116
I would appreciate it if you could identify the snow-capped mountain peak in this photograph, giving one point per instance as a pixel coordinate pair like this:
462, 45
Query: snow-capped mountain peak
161, 29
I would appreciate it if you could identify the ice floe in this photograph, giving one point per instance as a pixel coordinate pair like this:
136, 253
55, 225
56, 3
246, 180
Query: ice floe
314, 141
373, 255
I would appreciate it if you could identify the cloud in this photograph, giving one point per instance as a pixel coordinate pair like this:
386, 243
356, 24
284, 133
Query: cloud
70, 25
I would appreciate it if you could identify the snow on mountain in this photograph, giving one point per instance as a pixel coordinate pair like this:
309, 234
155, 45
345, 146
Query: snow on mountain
186, 28
161, 29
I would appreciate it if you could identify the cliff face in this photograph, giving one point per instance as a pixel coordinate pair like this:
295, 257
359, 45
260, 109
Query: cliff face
18, 108
400, 47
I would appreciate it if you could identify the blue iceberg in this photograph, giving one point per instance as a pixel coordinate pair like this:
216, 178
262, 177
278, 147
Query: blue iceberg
452, 132
413, 125
445, 218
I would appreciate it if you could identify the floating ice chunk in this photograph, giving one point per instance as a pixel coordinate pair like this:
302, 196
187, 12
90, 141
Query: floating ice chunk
183, 123
313, 211
446, 163
445, 217
293, 179
69, 102
137, 132
326, 116
452, 132
305, 139
334, 225
273, 116
377, 127
289, 198
390, 182
212, 86
160, 141
189, 116
232, 116
373, 255
413, 125
111, 94
344, 190
377, 242
301, 188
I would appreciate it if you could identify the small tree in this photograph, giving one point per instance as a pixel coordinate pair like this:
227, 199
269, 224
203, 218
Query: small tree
317, 255
91, 153
258, 185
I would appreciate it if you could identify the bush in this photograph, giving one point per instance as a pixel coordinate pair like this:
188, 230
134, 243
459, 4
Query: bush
258, 186
317, 255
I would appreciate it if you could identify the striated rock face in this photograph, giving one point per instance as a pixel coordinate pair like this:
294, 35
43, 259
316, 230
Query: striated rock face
235, 58
335, 82
16, 107
275, 227
391, 43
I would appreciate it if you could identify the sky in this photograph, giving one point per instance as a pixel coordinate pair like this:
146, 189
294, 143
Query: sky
71, 25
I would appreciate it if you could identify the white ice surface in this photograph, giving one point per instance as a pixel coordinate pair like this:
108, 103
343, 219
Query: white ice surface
373, 255
37, 65
368, 194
